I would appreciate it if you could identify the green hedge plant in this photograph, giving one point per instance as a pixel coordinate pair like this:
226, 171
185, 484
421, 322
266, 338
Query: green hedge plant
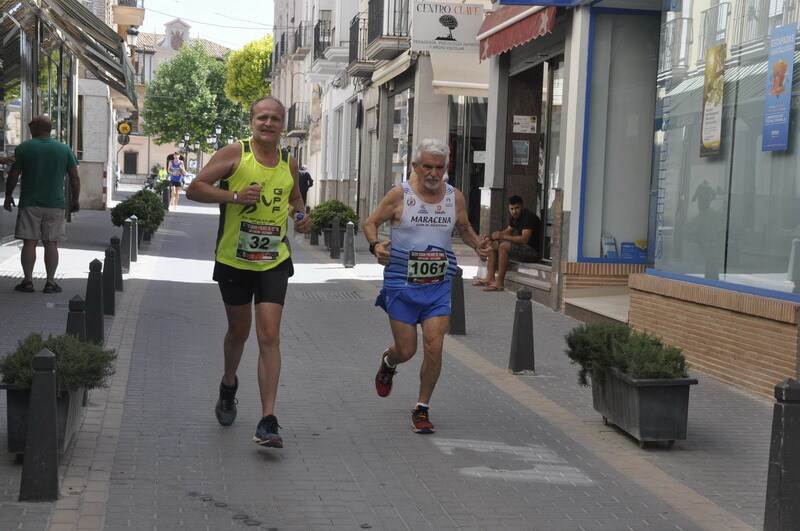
79, 364
322, 215
145, 205
597, 347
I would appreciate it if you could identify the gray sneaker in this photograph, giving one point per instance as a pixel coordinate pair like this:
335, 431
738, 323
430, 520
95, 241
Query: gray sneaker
267, 433
226, 404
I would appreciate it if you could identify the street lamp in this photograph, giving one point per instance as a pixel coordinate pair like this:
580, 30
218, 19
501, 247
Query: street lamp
230, 139
131, 37
218, 129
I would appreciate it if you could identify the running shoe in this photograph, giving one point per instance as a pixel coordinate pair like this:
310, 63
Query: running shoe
267, 433
420, 420
383, 380
226, 404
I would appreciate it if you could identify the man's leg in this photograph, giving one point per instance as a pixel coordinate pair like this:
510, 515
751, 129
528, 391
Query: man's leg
405, 342
433, 331
268, 330
491, 264
50, 260
502, 264
28, 258
239, 319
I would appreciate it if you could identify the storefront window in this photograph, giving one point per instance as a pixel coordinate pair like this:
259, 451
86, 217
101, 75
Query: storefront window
467, 141
727, 195
401, 141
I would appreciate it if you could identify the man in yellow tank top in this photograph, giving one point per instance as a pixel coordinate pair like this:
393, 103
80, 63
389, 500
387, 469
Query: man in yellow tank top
258, 191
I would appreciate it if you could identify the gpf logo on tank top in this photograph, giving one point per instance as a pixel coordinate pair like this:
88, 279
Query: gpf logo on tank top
274, 201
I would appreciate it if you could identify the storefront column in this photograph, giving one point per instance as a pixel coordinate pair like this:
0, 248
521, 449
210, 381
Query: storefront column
492, 208
431, 111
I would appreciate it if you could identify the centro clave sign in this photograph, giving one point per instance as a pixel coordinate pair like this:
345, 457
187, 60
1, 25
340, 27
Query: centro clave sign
446, 27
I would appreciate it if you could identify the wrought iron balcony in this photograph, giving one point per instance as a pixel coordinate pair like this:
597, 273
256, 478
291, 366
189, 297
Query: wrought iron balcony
358, 64
676, 41
303, 40
298, 119
323, 37
387, 29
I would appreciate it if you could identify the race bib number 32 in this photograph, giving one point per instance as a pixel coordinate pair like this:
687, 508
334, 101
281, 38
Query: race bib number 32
426, 267
257, 242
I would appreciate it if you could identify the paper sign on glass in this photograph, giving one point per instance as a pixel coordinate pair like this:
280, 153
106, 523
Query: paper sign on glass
778, 98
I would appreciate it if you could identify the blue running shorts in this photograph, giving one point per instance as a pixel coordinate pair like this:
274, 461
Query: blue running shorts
414, 305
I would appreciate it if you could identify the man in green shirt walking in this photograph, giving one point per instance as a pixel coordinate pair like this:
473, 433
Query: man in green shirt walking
42, 161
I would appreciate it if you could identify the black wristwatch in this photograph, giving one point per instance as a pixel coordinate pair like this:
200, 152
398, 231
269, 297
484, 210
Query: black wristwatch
372, 247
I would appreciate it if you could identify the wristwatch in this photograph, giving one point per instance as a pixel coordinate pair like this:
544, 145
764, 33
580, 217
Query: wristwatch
236, 198
372, 247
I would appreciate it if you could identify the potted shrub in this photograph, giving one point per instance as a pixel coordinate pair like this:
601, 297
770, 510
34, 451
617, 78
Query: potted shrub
80, 366
322, 217
146, 206
638, 383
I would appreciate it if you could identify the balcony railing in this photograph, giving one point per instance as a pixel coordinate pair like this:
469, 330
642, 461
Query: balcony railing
359, 65
676, 40
303, 39
298, 119
323, 37
387, 18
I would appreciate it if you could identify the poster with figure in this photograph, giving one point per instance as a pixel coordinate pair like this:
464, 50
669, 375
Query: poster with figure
778, 97
521, 151
713, 91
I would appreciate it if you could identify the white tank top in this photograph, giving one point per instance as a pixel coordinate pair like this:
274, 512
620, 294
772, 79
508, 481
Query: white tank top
421, 251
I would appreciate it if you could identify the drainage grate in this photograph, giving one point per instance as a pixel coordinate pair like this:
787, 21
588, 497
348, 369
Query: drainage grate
328, 295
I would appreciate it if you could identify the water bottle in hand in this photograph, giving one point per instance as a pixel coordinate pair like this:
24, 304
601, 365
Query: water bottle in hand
298, 237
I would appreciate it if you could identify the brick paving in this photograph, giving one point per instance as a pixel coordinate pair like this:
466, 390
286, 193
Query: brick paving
516, 452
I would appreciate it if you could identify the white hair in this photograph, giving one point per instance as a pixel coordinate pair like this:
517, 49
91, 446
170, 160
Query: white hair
431, 146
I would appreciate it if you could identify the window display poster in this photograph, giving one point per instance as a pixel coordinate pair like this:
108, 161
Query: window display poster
520, 149
713, 87
778, 98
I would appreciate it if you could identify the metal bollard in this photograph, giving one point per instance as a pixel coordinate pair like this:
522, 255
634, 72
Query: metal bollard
94, 303
782, 510
522, 355
350, 245
314, 237
134, 239
335, 240
76, 318
40, 468
115, 244
109, 276
458, 325
165, 196
125, 246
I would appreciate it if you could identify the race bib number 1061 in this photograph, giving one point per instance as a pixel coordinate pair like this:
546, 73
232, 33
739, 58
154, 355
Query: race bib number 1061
426, 267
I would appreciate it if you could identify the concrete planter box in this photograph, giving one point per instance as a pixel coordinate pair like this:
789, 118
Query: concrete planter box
649, 410
326, 234
69, 408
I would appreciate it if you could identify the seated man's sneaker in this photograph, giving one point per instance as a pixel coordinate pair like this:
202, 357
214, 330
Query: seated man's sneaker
420, 420
383, 380
226, 404
267, 433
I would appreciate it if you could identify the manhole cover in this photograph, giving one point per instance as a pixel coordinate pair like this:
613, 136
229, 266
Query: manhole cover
328, 295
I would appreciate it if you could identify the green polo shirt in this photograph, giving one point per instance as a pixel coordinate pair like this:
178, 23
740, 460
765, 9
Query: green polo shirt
43, 163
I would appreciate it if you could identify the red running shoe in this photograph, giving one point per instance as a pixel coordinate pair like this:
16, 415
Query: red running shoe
383, 380
420, 420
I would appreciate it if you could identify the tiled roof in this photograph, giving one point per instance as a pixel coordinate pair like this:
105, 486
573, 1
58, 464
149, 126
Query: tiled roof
150, 41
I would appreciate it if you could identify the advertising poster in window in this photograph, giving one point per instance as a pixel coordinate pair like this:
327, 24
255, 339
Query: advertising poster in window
778, 98
713, 87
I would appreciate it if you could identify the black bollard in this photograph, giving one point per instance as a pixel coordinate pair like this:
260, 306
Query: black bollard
76, 318
94, 303
335, 239
165, 196
134, 239
115, 244
125, 246
522, 356
109, 276
349, 259
314, 237
782, 509
40, 468
458, 325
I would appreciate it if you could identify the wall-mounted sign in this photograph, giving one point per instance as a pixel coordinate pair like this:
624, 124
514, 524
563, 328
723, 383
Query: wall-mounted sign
479, 157
520, 151
446, 27
713, 85
778, 98
524, 124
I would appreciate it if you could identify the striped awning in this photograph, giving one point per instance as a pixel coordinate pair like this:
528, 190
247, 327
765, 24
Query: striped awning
512, 26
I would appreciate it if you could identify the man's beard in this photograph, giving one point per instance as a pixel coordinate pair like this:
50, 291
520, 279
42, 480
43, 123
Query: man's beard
432, 184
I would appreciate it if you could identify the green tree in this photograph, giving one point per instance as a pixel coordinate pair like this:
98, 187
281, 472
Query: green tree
186, 95
247, 70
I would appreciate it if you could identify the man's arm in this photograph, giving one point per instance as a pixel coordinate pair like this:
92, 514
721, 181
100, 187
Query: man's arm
385, 211
222, 164
464, 227
521, 239
74, 188
11, 183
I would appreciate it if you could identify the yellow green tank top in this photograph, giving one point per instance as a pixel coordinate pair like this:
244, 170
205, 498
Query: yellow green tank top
251, 236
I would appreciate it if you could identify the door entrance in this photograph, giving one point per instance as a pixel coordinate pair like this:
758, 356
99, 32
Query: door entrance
467, 142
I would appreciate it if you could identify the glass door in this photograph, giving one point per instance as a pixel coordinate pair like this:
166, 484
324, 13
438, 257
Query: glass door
549, 147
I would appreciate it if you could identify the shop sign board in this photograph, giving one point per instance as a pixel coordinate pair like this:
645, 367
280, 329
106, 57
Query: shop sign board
778, 97
443, 27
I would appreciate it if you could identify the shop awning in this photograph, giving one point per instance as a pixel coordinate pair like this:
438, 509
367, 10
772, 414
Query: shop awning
99, 48
459, 74
511, 26
392, 69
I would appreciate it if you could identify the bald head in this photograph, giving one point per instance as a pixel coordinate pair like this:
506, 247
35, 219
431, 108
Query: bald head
41, 125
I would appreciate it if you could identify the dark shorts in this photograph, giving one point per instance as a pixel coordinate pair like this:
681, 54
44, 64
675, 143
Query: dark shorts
238, 286
523, 253
415, 305
175, 183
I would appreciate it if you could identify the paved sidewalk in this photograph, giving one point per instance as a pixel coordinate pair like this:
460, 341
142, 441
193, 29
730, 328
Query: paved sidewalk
517, 452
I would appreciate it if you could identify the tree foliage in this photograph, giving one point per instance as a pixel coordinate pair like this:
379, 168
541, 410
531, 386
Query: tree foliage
187, 95
247, 69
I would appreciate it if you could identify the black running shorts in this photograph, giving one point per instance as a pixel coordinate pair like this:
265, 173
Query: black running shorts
238, 286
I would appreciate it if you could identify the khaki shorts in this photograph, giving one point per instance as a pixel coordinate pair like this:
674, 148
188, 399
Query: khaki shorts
41, 223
